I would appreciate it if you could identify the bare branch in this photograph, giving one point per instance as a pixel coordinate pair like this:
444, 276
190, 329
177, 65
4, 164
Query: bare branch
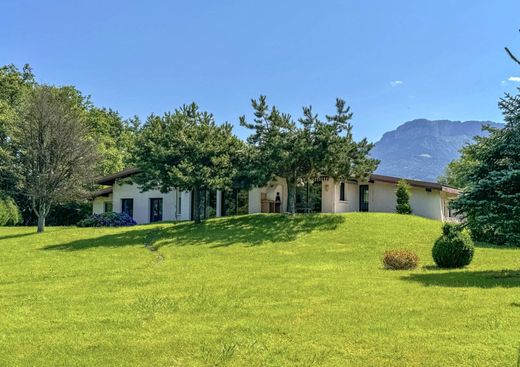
512, 56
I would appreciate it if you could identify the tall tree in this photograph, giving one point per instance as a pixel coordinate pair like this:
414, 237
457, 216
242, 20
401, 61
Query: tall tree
114, 138
187, 150
13, 84
300, 152
55, 155
491, 200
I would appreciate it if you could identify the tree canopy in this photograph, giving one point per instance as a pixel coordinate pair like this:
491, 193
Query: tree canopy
113, 137
188, 150
54, 154
304, 150
490, 201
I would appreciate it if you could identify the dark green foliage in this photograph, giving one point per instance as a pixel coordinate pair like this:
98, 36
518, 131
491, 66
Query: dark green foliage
188, 150
490, 202
455, 174
400, 260
403, 197
107, 220
454, 249
13, 85
112, 136
9, 213
301, 152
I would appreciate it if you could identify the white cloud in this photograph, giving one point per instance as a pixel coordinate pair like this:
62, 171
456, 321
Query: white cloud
425, 155
514, 79
395, 83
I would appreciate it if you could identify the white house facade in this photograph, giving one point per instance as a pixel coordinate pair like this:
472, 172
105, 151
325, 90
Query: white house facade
428, 199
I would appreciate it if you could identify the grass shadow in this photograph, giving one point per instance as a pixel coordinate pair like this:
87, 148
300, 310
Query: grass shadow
7, 237
496, 247
464, 279
251, 230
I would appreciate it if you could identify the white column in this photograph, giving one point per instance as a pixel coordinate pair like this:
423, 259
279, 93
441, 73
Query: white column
219, 203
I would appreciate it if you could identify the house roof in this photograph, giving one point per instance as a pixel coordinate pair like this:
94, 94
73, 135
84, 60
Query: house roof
103, 192
416, 183
110, 179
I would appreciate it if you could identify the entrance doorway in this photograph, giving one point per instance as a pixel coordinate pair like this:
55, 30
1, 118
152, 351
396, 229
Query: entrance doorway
156, 210
363, 198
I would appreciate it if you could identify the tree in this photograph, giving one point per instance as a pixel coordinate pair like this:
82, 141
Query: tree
114, 138
490, 202
456, 172
13, 84
55, 156
403, 194
304, 151
187, 150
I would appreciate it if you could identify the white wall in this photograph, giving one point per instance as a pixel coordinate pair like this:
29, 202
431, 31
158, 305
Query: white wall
278, 185
327, 196
142, 202
330, 197
98, 204
426, 204
381, 198
254, 201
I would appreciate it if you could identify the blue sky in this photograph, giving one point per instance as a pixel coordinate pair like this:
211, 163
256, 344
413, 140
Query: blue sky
392, 61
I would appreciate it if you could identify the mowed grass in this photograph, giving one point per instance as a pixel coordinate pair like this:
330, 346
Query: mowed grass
257, 290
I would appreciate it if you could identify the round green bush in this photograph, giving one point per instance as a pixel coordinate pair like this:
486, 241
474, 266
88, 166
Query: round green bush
454, 249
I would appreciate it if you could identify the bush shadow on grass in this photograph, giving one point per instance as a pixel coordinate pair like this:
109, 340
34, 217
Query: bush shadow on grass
496, 247
464, 279
250, 230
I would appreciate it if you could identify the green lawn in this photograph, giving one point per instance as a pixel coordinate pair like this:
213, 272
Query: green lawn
253, 291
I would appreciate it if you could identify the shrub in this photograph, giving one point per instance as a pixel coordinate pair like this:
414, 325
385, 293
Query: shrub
107, 220
454, 249
400, 260
403, 198
9, 212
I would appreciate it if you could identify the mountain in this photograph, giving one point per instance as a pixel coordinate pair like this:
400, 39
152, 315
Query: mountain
421, 149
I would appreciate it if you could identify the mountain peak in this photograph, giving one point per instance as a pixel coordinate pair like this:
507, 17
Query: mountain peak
421, 148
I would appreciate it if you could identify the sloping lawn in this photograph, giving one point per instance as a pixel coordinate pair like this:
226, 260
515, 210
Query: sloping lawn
253, 291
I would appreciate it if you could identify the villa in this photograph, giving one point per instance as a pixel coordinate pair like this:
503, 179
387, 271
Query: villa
428, 199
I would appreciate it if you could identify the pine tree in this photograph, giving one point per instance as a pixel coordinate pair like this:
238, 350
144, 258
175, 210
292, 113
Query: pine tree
403, 198
491, 201
300, 152
188, 150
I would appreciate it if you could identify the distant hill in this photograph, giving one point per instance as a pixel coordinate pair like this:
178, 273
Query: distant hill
421, 149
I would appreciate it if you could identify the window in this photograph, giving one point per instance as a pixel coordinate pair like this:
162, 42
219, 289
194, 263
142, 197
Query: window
108, 207
156, 210
127, 206
179, 206
342, 191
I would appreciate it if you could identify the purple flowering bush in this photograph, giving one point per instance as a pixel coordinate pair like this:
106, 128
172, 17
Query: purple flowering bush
107, 220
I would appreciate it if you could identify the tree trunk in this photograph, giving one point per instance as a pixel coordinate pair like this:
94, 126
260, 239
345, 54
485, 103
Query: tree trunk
196, 205
291, 195
41, 223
